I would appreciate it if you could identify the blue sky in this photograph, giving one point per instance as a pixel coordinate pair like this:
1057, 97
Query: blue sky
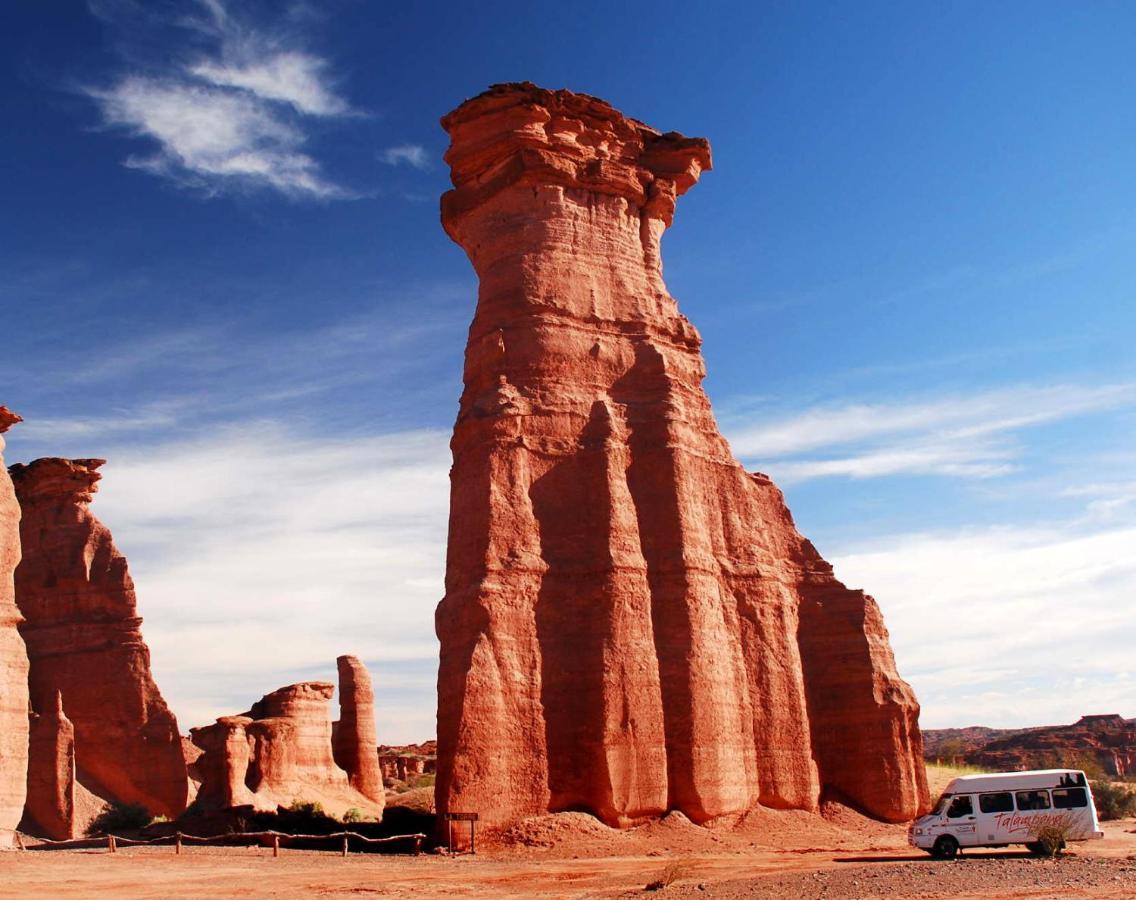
913, 264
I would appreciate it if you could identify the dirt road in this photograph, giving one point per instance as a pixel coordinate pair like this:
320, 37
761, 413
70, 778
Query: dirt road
880, 866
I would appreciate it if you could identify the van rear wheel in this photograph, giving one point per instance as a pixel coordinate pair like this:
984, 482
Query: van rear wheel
945, 847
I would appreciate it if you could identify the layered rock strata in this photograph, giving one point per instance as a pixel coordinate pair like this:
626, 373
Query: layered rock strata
13, 657
632, 623
84, 641
277, 753
355, 742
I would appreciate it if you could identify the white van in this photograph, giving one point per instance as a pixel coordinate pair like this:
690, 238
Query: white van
1007, 808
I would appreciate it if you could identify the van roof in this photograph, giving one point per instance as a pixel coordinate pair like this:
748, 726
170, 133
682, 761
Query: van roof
1000, 781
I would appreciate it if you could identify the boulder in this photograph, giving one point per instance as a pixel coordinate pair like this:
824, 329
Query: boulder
84, 641
13, 658
632, 623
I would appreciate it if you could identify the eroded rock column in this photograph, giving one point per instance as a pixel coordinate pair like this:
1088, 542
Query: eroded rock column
84, 641
13, 657
623, 629
50, 810
355, 741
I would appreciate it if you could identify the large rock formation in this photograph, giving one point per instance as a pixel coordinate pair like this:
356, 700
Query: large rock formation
82, 631
632, 623
277, 753
13, 657
355, 742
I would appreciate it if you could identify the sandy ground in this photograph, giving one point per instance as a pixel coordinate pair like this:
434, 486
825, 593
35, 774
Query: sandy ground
568, 856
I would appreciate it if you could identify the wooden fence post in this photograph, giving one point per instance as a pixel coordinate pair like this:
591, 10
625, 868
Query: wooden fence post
111, 845
344, 846
275, 845
177, 843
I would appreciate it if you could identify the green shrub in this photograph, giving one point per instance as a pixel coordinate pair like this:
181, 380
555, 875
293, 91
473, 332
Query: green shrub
119, 817
1113, 801
353, 815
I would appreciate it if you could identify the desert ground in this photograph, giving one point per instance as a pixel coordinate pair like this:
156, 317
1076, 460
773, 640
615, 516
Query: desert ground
764, 854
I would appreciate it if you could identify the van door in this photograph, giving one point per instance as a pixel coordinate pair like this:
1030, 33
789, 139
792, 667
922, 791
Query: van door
961, 820
995, 812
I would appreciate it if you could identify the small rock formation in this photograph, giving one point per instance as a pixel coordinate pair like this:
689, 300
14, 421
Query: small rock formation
13, 657
82, 631
50, 810
632, 623
277, 753
355, 742
406, 762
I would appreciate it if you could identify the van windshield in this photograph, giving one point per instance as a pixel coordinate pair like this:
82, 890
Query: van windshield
941, 805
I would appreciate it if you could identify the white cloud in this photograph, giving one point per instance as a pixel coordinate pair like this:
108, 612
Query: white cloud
260, 554
234, 118
966, 436
209, 136
289, 77
408, 154
1007, 626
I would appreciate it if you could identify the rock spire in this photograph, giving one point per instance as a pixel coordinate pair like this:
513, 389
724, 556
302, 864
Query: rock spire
355, 741
632, 623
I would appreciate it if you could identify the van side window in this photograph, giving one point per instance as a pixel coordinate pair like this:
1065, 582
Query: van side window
960, 806
1033, 800
1069, 798
996, 803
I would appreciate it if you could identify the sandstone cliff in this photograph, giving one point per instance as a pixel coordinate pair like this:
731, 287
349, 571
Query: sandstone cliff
84, 643
13, 657
632, 623
280, 752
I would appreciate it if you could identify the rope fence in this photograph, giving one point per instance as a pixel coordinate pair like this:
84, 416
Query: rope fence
273, 839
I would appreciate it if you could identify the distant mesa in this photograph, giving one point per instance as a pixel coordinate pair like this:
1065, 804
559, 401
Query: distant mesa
1107, 741
282, 751
632, 624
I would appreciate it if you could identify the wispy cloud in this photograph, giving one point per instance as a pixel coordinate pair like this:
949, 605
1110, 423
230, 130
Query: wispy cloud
1007, 626
959, 435
259, 554
289, 77
233, 117
406, 154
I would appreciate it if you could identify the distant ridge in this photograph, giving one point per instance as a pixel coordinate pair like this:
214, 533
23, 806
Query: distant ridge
1107, 740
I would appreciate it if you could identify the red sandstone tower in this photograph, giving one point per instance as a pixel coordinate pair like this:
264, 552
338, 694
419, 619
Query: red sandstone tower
632, 623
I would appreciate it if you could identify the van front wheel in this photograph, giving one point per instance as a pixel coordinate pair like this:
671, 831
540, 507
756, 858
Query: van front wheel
945, 847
